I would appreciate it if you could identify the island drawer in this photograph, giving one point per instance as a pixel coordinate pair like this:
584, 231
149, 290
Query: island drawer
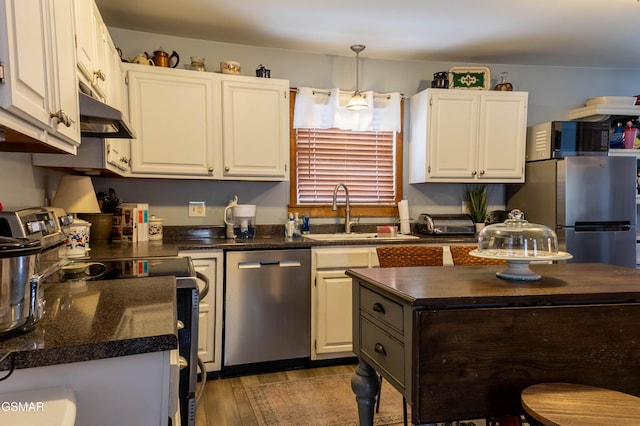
382, 309
383, 350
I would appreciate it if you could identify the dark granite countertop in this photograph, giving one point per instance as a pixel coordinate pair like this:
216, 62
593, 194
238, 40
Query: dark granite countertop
88, 320
180, 238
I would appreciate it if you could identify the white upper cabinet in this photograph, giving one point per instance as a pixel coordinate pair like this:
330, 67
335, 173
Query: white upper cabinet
91, 39
255, 133
38, 89
64, 80
467, 136
205, 125
176, 117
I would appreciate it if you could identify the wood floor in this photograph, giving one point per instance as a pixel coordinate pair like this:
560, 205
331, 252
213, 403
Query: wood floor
225, 402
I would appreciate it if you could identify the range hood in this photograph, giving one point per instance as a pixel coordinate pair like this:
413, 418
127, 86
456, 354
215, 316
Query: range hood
100, 120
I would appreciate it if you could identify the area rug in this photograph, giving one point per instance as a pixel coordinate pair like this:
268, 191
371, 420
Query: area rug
326, 400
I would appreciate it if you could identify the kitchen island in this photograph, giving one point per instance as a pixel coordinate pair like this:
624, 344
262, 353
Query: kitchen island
460, 343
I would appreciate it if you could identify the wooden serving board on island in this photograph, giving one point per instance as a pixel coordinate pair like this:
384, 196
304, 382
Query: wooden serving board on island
460, 343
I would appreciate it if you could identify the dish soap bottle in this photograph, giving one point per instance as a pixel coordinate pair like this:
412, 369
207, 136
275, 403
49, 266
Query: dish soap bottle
288, 227
297, 233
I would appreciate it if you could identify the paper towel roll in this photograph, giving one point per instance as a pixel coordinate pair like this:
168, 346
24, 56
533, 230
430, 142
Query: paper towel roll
403, 210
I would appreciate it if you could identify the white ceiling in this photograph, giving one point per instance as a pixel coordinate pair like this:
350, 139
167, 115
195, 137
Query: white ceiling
584, 33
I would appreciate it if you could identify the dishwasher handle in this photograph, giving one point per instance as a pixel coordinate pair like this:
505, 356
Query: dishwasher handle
279, 263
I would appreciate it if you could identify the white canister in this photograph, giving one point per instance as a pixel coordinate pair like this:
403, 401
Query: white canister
77, 244
155, 228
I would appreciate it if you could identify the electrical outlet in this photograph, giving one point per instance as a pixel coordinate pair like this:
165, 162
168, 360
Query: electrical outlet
197, 209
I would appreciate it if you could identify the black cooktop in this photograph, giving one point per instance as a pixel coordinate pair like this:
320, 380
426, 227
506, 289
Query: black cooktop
112, 269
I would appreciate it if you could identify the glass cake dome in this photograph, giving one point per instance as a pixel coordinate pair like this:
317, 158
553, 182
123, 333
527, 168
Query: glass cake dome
518, 242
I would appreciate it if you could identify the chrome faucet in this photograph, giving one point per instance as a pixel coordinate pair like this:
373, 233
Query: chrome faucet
347, 208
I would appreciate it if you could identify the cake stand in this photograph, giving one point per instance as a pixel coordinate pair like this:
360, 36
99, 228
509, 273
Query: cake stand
518, 262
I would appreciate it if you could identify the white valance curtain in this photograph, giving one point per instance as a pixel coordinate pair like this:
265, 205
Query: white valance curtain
327, 109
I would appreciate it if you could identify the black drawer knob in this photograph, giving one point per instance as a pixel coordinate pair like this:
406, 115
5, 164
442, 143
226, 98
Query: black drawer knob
378, 308
380, 349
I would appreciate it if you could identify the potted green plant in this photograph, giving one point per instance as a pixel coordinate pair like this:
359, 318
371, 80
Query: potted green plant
477, 204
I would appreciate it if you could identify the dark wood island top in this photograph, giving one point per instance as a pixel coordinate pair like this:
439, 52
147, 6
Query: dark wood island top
478, 285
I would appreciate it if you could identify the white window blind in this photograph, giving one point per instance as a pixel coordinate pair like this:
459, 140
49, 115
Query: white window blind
362, 160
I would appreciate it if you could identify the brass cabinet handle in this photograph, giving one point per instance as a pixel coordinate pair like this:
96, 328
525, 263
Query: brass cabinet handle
377, 307
62, 117
226, 169
380, 349
99, 75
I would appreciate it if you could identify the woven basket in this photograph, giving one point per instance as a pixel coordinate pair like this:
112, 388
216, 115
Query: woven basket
461, 256
413, 255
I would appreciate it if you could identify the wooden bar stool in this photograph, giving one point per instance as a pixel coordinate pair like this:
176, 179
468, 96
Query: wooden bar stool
461, 257
409, 255
571, 404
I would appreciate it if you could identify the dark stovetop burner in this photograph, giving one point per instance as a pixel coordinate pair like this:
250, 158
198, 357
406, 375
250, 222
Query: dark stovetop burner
123, 268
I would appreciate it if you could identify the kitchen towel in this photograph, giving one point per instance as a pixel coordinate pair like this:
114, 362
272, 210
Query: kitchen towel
403, 210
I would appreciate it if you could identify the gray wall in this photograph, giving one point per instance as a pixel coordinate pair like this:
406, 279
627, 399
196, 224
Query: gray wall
553, 91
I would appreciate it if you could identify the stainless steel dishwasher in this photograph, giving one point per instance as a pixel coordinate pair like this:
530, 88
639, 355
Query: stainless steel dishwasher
267, 306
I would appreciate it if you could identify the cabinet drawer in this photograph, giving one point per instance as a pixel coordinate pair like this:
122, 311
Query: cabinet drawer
379, 307
342, 258
383, 349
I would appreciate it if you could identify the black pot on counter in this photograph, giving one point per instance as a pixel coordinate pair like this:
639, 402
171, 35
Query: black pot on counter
19, 287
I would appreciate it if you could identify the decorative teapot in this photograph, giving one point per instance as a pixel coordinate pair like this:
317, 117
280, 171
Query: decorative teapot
163, 59
141, 58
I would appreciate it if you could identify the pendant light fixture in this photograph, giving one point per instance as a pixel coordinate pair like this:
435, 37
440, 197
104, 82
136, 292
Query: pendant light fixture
357, 101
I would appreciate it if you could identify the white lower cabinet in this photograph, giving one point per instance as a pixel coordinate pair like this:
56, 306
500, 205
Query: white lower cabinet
126, 390
211, 264
331, 309
331, 297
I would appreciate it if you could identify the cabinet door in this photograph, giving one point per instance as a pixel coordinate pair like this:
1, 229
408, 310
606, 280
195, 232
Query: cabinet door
90, 45
452, 126
40, 85
207, 312
65, 79
175, 118
334, 312
255, 128
118, 150
84, 37
25, 51
210, 264
502, 138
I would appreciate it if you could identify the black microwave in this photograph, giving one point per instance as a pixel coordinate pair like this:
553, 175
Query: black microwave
559, 139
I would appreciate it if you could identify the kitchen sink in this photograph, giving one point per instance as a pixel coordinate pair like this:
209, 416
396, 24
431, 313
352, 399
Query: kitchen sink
366, 236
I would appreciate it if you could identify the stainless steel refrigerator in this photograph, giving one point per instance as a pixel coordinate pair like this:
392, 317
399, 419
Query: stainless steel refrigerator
590, 202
